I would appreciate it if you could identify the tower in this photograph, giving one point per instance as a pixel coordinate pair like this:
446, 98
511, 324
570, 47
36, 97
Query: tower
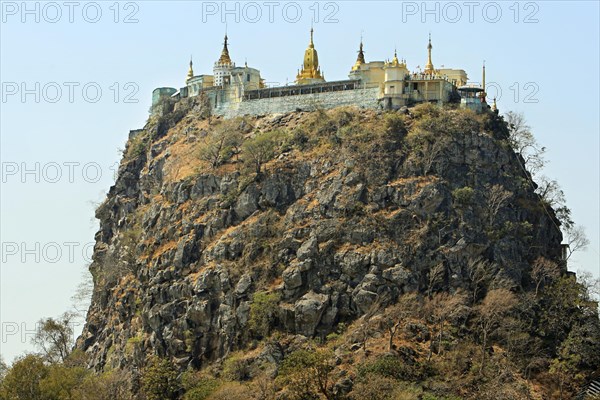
429, 65
311, 72
223, 66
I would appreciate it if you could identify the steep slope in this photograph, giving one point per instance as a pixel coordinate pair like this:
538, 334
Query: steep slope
323, 216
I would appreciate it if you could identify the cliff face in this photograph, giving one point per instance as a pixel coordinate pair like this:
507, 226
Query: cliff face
335, 212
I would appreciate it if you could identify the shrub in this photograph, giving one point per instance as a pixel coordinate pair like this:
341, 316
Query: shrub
262, 313
374, 387
463, 196
387, 366
160, 380
307, 374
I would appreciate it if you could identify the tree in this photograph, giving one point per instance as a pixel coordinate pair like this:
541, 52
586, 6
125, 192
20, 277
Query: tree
523, 142
261, 148
435, 277
550, 192
491, 312
54, 337
479, 273
496, 198
3, 369
442, 307
543, 270
576, 239
262, 313
108, 386
395, 316
22, 381
221, 143
62, 381
374, 387
307, 374
160, 380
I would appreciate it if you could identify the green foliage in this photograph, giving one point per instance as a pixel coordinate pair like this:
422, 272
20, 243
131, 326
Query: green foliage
136, 146
261, 148
263, 310
54, 337
22, 381
61, 382
236, 368
160, 380
307, 374
374, 387
202, 390
106, 386
463, 196
394, 123
390, 367
222, 142
232, 391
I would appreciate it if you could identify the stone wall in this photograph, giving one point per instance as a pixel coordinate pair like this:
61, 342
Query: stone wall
365, 98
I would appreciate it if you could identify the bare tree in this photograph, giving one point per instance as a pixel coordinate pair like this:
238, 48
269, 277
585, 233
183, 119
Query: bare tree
441, 308
83, 294
550, 192
543, 270
523, 142
576, 239
496, 198
221, 143
395, 316
431, 153
480, 272
492, 310
435, 277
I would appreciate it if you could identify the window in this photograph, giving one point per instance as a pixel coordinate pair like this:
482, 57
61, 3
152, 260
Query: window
248, 78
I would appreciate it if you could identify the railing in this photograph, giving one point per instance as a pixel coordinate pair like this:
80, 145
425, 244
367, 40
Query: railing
335, 86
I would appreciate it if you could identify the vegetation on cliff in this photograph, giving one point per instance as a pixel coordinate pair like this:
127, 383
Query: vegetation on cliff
338, 254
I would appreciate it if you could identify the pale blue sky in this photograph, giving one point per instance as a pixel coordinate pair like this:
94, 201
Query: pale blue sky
551, 49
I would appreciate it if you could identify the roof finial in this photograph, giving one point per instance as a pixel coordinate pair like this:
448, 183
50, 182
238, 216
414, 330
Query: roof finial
429, 65
361, 56
190, 73
225, 59
483, 93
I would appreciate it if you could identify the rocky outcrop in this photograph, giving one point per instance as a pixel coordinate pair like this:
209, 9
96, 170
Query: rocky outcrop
183, 248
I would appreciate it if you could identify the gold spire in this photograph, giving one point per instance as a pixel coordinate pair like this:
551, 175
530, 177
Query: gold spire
361, 57
310, 72
190, 73
429, 66
224, 59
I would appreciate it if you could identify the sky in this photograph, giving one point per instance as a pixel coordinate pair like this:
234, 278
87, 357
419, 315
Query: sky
77, 76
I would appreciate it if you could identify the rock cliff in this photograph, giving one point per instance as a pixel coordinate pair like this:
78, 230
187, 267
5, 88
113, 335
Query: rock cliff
323, 214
